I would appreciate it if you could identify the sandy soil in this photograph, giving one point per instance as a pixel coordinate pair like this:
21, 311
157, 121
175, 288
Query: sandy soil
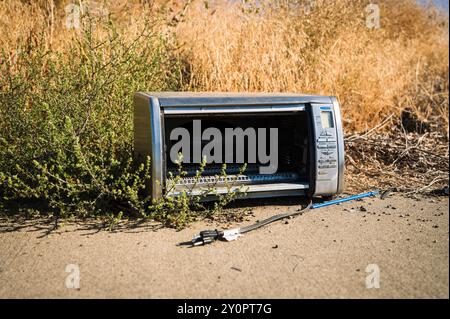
324, 253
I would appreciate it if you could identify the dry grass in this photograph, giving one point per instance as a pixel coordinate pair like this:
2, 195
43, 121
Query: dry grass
328, 51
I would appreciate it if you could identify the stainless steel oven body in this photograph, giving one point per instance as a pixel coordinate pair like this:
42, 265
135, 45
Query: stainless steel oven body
310, 141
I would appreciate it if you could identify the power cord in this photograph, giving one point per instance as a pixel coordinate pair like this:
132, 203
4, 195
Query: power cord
209, 236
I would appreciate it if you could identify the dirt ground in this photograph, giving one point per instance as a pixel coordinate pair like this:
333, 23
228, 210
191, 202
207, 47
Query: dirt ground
326, 253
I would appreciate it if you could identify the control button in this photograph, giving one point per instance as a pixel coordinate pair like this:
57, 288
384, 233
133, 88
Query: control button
331, 140
322, 146
332, 166
322, 173
331, 145
322, 140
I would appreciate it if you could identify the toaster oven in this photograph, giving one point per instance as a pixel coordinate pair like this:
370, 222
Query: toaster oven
291, 144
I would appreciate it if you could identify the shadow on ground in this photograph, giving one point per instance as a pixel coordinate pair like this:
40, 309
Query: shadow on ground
88, 226
15, 221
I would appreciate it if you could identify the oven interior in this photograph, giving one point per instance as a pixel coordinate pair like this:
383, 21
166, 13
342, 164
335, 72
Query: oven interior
293, 150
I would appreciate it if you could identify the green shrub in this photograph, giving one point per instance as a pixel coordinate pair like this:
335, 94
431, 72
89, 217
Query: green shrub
66, 126
178, 211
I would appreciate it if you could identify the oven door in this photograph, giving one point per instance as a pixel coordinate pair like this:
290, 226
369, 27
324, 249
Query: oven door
272, 141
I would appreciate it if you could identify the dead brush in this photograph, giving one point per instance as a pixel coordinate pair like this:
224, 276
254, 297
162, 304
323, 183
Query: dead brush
407, 162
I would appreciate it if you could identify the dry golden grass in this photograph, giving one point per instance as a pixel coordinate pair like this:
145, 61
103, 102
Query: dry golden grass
327, 50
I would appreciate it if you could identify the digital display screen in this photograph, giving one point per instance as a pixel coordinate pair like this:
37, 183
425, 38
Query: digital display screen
327, 119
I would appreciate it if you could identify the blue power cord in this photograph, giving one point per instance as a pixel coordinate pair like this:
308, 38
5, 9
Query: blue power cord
345, 199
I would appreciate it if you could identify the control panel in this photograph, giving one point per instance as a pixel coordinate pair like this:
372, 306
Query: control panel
326, 148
